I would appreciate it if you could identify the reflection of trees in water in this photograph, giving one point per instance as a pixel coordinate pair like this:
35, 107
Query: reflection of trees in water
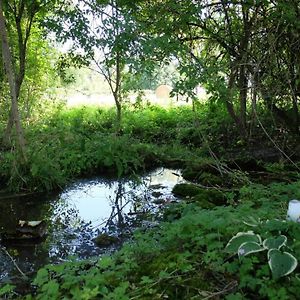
133, 203
115, 221
130, 202
69, 234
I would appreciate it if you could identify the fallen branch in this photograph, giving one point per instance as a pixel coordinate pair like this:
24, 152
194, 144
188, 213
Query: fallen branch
12, 196
14, 262
228, 288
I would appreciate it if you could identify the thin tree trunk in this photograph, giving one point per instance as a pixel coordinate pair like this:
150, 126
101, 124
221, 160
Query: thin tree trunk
118, 108
294, 63
230, 107
10, 123
22, 44
243, 88
117, 96
14, 91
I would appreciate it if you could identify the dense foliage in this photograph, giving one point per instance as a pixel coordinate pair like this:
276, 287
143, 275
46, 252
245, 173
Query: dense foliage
185, 257
239, 147
82, 141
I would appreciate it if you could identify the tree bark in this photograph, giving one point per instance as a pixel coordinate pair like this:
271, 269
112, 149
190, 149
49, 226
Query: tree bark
230, 107
22, 45
294, 76
8, 65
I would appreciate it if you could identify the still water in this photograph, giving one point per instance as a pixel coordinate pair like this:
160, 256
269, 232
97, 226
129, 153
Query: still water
79, 213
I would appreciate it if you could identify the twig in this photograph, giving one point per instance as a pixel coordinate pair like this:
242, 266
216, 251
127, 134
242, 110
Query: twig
4, 197
217, 188
112, 216
229, 287
274, 143
15, 264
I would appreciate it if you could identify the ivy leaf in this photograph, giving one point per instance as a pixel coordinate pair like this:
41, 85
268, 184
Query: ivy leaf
249, 247
241, 238
275, 243
281, 263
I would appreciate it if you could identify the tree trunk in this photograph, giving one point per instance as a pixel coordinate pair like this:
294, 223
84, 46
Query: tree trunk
10, 123
14, 90
117, 96
118, 109
230, 107
243, 89
19, 77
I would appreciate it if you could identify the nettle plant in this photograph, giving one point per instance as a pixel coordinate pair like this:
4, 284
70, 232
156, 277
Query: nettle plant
280, 262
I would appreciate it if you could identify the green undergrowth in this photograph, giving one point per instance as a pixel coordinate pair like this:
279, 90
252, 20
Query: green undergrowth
185, 258
82, 141
70, 143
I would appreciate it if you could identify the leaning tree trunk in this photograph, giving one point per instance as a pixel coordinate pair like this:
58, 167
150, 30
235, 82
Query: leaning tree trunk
8, 65
11, 118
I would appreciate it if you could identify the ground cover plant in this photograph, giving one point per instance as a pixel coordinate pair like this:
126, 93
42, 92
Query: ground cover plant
185, 257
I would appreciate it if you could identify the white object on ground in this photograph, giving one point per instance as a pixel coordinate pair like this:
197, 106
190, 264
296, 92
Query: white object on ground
293, 213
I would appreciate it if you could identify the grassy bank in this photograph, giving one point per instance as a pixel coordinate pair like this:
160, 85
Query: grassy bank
81, 141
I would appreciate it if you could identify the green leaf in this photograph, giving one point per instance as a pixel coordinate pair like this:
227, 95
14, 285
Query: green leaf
42, 277
275, 243
51, 289
251, 221
105, 262
281, 263
249, 247
163, 275
241, 238
6, 289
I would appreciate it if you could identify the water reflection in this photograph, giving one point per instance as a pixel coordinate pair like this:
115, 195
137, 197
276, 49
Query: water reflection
78, 214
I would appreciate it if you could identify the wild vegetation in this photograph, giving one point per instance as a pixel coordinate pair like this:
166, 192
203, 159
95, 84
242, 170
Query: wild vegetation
228, 238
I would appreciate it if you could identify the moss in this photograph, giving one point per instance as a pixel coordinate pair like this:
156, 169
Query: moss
210, 179
202, 202
206, 198
191, 175
194, 171
186, 190
213, 197
105, 240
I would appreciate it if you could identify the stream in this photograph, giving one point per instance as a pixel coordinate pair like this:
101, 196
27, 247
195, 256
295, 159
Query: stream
78, 214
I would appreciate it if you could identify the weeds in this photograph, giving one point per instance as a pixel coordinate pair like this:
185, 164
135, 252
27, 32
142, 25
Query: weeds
184, 258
